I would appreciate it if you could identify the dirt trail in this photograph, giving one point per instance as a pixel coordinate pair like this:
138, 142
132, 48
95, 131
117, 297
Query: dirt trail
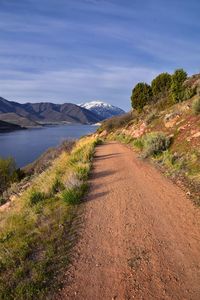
141, 234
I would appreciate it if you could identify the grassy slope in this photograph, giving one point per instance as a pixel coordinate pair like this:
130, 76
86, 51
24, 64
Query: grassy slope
37, 232
182, 159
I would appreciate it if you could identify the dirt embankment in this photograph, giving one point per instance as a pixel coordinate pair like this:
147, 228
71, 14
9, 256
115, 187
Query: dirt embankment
140, 238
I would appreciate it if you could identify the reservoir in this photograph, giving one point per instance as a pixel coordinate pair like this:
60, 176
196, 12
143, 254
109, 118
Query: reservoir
27, 145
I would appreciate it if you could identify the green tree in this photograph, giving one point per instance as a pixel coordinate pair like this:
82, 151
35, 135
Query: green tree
177, 89
141, 95
161, 85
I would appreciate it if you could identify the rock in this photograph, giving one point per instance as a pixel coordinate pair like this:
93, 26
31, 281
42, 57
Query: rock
103, 133
196, 135
171, 122
170, 116
138, 131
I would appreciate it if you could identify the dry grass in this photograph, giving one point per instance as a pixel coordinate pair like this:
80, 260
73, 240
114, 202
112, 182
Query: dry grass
35, 239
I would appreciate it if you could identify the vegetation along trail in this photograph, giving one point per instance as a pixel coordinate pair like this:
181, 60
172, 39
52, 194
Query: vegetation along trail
141, 234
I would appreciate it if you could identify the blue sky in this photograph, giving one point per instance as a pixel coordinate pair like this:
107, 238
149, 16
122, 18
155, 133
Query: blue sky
81, 50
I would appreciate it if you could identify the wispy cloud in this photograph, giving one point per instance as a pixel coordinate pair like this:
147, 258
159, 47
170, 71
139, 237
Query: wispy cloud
106, 82
85, 49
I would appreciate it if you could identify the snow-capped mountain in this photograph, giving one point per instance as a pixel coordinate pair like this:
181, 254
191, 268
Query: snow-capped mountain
104, 110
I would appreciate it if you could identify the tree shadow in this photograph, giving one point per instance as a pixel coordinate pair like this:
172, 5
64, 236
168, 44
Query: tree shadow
101, 174
95, 196
99, 157
93, 186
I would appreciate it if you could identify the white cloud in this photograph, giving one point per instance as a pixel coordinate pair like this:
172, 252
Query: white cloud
75, 85
114, 46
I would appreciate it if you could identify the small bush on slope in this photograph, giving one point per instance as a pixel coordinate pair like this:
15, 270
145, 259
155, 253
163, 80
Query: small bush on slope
138, 143
2, 200
74, 195
8, 173
34, 236
196, 106
57, 186
155, 143
151, 144
36, 197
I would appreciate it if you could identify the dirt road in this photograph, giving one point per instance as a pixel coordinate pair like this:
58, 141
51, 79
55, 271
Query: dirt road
141, 235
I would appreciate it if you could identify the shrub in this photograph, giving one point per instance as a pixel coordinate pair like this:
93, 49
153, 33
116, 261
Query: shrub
177, 88
196, 106
2, 201
98, 142
73, 195
8, 173
161, 85
141, 95
57, 186
138, 143
189, 93
36, 197
174, 161
82, 171
154, 143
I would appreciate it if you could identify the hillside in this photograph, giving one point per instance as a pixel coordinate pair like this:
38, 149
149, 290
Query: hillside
5, 126
35, 114
167, 133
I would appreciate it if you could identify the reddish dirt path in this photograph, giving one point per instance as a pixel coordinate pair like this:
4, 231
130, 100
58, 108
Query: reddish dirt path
141, 235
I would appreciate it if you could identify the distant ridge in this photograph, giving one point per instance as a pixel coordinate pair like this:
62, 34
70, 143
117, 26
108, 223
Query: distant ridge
37, 114
6, 127
30, 115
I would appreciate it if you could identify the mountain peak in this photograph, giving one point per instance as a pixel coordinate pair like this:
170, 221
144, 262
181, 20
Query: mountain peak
103, 109
95, 103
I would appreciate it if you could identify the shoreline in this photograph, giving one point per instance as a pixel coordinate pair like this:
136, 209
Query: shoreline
27, 146
40, 126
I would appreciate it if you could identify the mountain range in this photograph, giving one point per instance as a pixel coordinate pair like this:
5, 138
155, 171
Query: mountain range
37, 114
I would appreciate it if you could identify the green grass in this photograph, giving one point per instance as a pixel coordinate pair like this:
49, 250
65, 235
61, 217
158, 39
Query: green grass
37, 233
57, 186
36, 196
74, 195
172, 161
138, 143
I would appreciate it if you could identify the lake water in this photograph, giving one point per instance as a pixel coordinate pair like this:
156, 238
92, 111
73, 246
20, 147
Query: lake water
26, 145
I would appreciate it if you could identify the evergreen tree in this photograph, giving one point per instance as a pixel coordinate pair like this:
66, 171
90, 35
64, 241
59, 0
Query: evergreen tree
177, 89
141, 95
